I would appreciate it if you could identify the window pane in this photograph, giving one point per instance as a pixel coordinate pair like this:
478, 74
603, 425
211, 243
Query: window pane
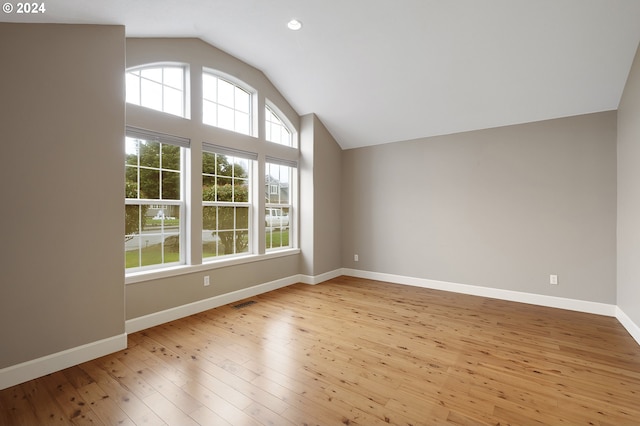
173, 101
151, 94
224, 189
170, 185
241, 191
242, 218
131, 151
171, 248
226, 105
159, 88
154, 74
226, 93
173, 77
208, 163
133, 88
170, 157
276, 130
225, 118
208, 188
149, 152
226, 218
243, 100
210, 113
132, 221
277, 176
277, 224
132, 252
209, 90
242, 123
152, 230
131, 182
150, 184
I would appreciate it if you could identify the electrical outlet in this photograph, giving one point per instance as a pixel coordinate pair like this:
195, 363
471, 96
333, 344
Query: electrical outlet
553, 279
355, 257
206, 280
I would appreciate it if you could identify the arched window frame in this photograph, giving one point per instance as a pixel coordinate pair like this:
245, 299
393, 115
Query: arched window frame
275, 127
157, 75
212, 108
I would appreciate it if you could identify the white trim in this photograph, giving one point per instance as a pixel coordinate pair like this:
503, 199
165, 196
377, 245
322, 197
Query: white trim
157, 318
514, 296
29, 370
317, 279
632, 328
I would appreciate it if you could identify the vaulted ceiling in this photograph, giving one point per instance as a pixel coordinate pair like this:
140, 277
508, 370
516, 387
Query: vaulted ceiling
378, 71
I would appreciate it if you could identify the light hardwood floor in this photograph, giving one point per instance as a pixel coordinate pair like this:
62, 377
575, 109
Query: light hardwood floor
352, 352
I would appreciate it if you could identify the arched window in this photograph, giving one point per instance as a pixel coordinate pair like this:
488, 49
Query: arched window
275, 129
158, 87
226, 104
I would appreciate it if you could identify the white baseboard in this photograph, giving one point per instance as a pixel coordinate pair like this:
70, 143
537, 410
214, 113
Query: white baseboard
157, 318
514, 296
632, 328
19, 373
317, 279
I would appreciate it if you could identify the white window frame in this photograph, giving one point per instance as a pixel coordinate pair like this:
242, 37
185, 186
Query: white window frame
279, 123
217, 105
249, 204
291, 202
183, 144
136, 73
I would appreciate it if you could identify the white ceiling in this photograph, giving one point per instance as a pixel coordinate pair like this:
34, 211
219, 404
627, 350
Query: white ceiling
378, 71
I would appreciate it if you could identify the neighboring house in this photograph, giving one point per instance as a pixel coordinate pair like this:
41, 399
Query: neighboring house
276, 192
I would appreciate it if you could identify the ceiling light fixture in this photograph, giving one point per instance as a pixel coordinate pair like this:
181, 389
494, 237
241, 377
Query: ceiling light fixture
294, 25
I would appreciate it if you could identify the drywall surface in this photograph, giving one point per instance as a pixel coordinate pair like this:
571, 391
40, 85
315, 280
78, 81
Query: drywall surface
320, 198
629, 196
62, 115
502, 208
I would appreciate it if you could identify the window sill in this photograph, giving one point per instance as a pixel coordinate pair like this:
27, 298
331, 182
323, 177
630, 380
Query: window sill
138, 277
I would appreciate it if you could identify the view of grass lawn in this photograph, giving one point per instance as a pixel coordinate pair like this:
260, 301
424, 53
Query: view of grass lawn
278, 239
152, 255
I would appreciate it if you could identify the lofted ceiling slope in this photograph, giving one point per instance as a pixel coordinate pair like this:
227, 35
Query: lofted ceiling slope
379, 71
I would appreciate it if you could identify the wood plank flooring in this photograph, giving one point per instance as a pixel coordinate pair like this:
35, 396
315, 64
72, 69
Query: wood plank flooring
352, 352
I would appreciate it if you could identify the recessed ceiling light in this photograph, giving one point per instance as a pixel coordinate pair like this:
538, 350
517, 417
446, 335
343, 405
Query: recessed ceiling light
294, 25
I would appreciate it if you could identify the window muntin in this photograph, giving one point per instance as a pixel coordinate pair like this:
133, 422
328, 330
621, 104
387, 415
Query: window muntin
275, 129
226, 104
154, 223
278, 206
226, 205
158, 88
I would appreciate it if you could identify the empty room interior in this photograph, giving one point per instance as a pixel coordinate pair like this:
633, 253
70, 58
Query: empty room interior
296, 212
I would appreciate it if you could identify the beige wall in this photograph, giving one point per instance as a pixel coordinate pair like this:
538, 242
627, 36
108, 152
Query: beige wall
62, 127
629, 196
501, 208
320, 198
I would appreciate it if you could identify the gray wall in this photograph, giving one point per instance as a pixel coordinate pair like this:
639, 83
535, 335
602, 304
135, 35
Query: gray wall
500, 208
320, 198
62, 127
629, 196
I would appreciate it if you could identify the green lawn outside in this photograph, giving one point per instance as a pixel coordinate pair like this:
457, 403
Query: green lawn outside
152, 255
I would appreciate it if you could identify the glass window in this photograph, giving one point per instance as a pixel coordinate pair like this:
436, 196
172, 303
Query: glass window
159, 88
225, 104
276, 130
278, 206
226, 206
153, 203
